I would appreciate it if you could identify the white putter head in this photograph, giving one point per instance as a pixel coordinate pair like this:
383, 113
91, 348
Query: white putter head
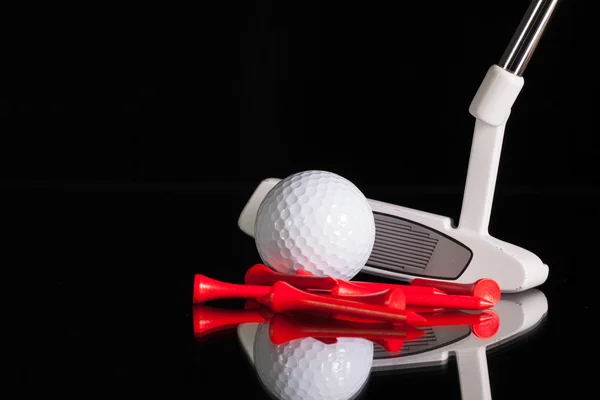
519, 314
415, 244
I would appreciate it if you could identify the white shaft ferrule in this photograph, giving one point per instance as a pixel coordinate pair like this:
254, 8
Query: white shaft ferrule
496, 95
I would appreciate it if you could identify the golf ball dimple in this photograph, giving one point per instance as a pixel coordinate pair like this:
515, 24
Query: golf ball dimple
316, 221
308, 369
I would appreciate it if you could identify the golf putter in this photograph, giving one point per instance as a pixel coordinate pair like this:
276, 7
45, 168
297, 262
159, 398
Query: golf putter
411, 243
519, 315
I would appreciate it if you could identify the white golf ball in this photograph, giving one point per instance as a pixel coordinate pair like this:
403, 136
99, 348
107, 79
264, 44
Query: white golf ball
316, 221
308, 369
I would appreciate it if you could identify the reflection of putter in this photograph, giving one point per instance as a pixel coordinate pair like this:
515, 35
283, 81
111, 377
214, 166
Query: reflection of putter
519, 313
412, 243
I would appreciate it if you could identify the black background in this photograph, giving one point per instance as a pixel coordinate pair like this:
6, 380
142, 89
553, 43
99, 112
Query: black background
131, 138
235, 92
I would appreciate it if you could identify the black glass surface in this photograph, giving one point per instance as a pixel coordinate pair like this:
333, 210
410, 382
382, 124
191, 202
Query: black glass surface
104, 284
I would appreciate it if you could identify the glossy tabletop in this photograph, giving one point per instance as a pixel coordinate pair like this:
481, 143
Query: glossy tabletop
105, 302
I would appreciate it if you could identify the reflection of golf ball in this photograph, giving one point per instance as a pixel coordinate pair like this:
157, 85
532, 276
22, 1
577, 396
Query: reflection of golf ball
308, 369
315, 221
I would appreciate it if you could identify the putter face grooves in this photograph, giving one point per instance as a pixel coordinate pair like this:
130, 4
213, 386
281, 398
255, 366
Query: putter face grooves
413, 249
424, 242
401, 260
401, 249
